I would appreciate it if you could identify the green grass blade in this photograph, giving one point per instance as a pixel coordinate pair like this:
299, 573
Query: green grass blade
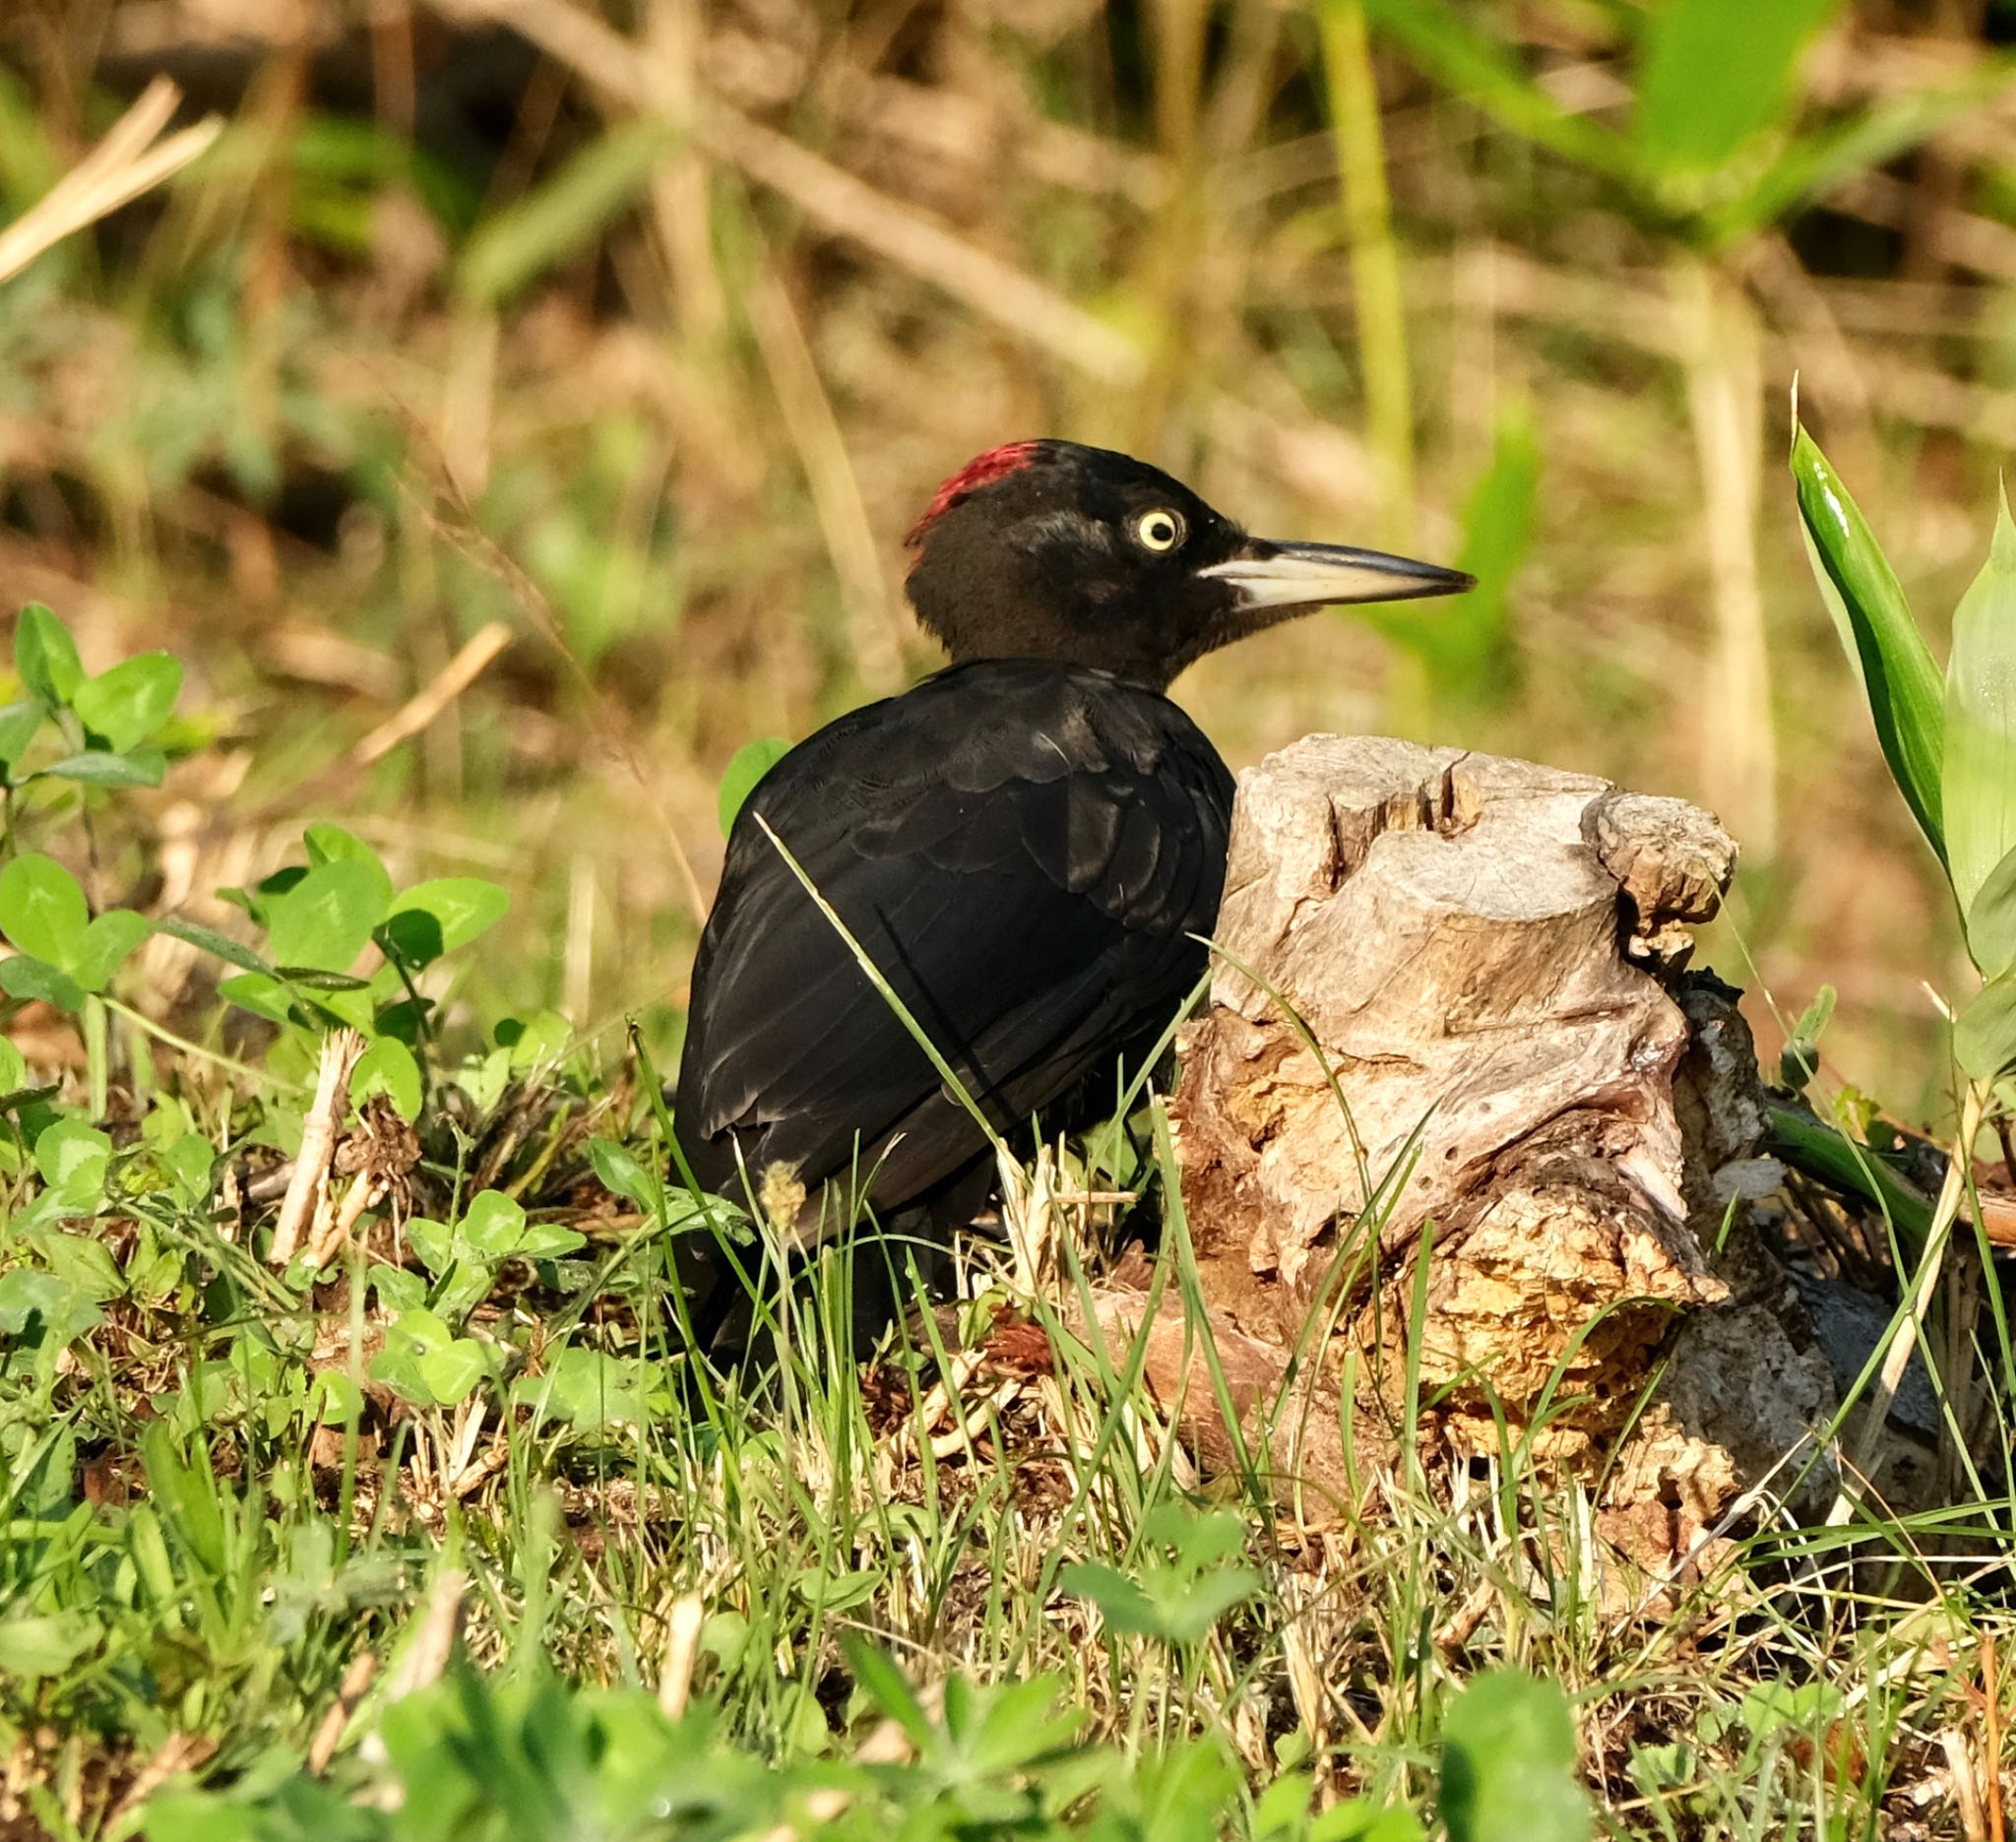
563, 217
1480, 69
1907, 697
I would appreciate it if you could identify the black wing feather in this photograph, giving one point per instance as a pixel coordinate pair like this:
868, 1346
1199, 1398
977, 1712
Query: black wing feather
1023, 849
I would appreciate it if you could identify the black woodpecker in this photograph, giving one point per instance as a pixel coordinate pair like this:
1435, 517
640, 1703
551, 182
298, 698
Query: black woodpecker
1026, 845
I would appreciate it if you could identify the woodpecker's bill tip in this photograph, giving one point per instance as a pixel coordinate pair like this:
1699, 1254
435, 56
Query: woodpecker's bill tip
1318, 575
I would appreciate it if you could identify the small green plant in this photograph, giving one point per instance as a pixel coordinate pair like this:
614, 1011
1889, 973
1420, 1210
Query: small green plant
1949, 739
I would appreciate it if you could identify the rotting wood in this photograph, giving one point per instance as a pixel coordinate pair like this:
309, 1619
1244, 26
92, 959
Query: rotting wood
1452, 1002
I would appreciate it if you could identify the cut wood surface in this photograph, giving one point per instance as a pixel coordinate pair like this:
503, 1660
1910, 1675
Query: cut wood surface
1453, 1010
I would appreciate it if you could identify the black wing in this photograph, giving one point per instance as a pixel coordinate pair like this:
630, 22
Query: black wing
1023, 849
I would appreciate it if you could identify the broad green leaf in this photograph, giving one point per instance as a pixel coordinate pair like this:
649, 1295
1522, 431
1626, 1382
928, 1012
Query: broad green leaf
1905, 695
451, 1373
493, 1225
1714, 73
388, 1067
28, 1294
258, 992
108, 942
1985, 1031
128, 703
1508, 1764
47, 1645
73, 1158
19, 724
325, 920
436, 917
1125, 1606
1978, 780
529, 1041
43, 909
591, 1389
330, 844
552, 224
621, 1173
25, 976
139, 767
46, 656
1991, 918
749, 764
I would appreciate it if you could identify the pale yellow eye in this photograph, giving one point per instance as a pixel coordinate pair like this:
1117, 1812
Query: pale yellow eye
1158, 530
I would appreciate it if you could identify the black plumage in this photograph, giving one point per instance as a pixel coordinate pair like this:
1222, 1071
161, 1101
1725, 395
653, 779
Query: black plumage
1028, 845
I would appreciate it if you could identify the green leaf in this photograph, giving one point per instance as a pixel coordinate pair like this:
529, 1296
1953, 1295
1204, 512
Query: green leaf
141, 767
1821, 160
621, 1173
1985, 1031
590, 1389
261, 994
1508, 1764
106, 944
64, 1309
1447, 47
749, 764
128, 703
1125, 1606
209, 940
19, 724
330, 844
73, 1158
451, 1373
1714, 73
1463, 641
43, 909
388, 1067
549, 225
46, 656
47, 1645
1905, 695
436, 917
1977, 780
1991, 918
890, 1690
324, 920
25, 976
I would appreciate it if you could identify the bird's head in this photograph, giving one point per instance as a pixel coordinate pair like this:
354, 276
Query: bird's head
1045, 549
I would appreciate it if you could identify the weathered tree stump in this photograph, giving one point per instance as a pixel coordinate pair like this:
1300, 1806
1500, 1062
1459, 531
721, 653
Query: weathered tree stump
1453, 1003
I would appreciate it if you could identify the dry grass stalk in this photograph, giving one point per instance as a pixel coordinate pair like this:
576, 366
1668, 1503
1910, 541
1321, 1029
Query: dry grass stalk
1965, 1780
334, 1227
683, 1624
355, 1680
1311, 456
123, 166
310, 1180
420, 710
178, 1752
433, 1643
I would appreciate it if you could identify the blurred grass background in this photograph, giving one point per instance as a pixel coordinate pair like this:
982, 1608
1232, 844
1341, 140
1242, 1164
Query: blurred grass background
635, 337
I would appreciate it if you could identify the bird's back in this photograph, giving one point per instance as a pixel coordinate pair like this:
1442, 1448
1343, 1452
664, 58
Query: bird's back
1025, 851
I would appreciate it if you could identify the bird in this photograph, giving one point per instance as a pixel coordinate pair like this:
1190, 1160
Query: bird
1029, 846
